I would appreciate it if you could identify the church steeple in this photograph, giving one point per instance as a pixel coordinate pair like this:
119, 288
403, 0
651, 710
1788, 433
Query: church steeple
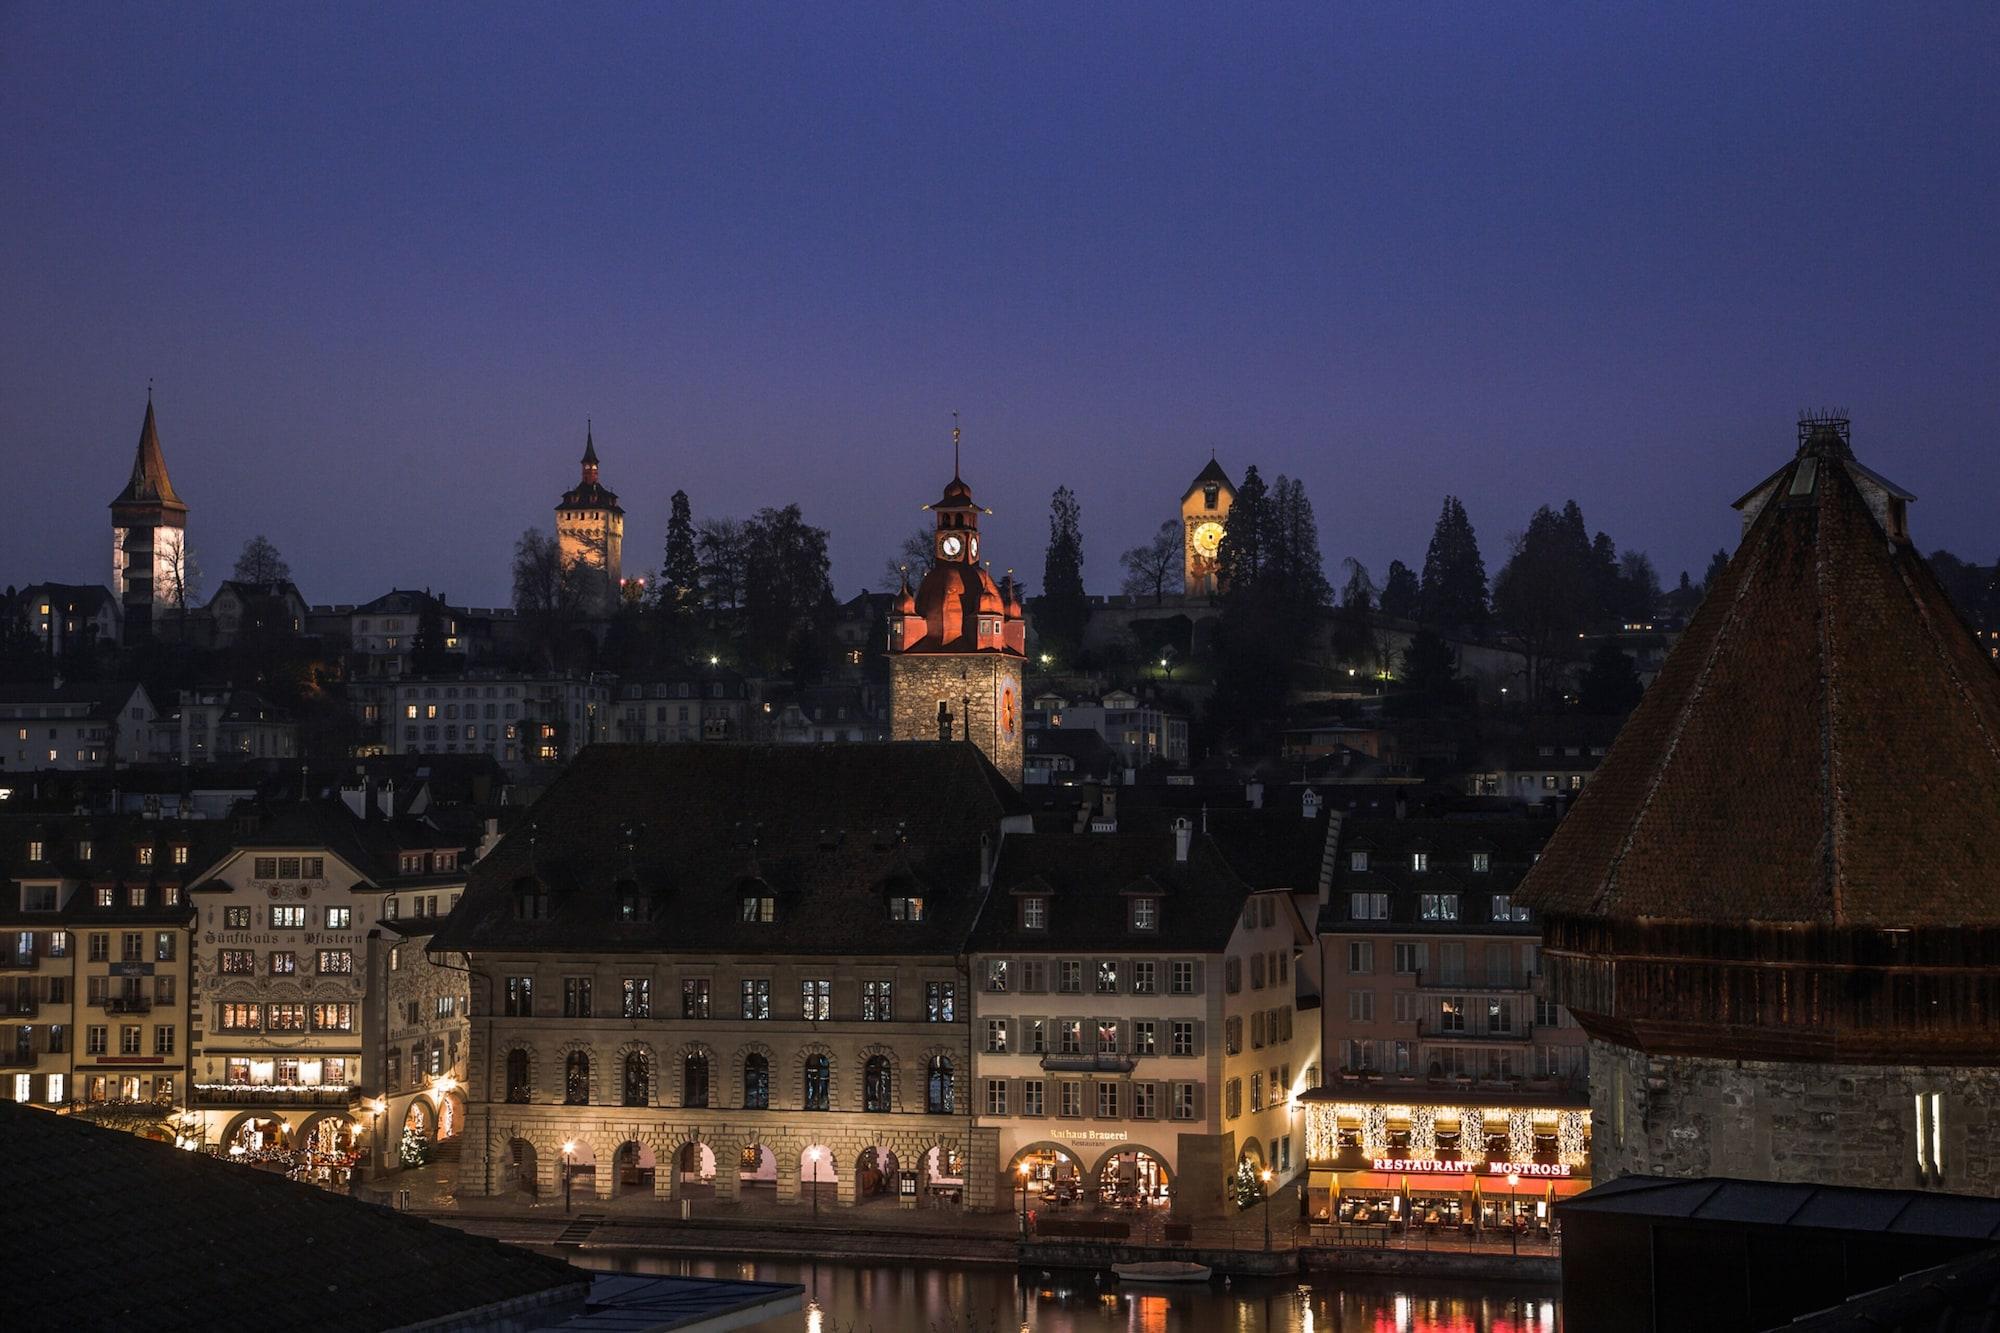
589, 455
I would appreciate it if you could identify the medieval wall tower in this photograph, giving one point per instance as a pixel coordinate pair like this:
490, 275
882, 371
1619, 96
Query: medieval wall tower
591, 529
149, 557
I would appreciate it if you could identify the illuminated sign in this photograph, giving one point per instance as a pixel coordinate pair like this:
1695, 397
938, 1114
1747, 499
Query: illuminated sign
1411, 1166
1553, 1170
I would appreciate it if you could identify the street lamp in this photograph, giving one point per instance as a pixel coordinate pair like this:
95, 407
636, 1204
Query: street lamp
1024, 1170
376, 1107
812, 1155
1513, 1217
1266, 1179
569, 1149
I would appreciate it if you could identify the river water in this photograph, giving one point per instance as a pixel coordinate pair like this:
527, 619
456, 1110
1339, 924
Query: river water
943, 1298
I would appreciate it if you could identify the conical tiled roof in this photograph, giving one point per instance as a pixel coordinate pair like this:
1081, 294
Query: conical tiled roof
1821, 748
1213, 472
149, 483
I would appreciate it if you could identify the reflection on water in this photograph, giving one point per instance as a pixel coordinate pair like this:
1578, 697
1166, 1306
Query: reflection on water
890, 1298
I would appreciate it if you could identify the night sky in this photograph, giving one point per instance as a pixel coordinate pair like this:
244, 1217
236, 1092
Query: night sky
382, 262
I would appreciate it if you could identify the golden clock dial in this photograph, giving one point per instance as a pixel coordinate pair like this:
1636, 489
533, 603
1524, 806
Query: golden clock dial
1208, 539
952, 546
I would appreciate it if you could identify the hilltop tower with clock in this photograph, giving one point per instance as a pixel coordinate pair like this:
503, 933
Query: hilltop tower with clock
958, 644
1204, 515
591, 529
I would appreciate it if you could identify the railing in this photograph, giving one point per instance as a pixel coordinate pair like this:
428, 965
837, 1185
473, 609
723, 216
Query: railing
274, 1094
13, 958
1107, 1063
1514, 984
1429, 1031
19, 1008
127, 1004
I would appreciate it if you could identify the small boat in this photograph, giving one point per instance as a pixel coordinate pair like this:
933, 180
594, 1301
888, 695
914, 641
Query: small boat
1163, 1271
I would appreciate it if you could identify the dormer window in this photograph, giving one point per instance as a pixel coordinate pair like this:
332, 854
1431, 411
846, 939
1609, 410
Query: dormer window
104, 895
145, 856
135, 895
1357, 861
83, 850
633, 905
38, 897
1146, 914
34, 851
906, 909
531, 902
1034, 913
761, 909
1420, 861
1481, 862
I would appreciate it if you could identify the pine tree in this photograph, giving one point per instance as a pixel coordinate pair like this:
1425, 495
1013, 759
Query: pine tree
1240, 565
413, 1149
1453, 596
1063, 608
1545, 593
1402, 595
680, 574
1717, 564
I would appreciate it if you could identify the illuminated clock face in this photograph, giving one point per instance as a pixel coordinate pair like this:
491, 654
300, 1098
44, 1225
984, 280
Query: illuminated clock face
1208, 539
974, 540
951, 546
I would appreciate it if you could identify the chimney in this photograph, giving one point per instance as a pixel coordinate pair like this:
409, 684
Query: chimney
985, 860
1253, 793
1183, 836
385, 799
1309, 805
355, 798
1402, 807
1110, 804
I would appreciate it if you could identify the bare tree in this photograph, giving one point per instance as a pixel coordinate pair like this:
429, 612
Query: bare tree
914, 555
548, 592
261, 563
1155, 569
178, 574
723, 549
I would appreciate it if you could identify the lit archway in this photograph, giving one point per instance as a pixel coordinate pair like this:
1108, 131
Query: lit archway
520, 1169
420, 1119
694, 1171
818, 1176
876, 1172
634, 1166
1132, 1176
756, 1169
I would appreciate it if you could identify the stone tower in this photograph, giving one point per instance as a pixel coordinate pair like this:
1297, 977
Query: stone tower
591, 529
958, 643
1776, 908
1204, 515
149, 569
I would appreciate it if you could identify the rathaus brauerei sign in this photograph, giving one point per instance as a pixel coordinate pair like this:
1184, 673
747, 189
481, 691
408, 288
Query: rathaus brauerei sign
1414, 1166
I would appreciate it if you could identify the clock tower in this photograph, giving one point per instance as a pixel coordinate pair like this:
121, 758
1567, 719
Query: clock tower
958, 644
1204, 517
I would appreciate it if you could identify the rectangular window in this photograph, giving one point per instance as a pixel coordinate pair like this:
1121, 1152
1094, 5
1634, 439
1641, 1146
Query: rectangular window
1107, 1101
1361, 1006
333, 1018
816, 1000
1232, 1099
1072, 1098
996, 1036
757, 998
1368, 907
1143, 978
1145, 1101
1034, 976
694, 997
940, 1001
520, 997
906, 909
1420, 861
1256, 1093
1069, 1036
288, 918
238, 962
340, 918
638, 997
996, 1096
240, 1018
1069, 976
1481, 862
1145, 1040
1181, 978
1145, 914
1451, 1014
1183, 1101
1360, 956
1357, 861
163, 989
1034, 914
1438, 906
1035, 1036
1107, 976
1107, 1036
284, 964
1505, 910
336, 962
132, 947
878, 1002
1031, 1097
760, 910
996, 975
1181, 1034
97, 1040
236, 918
1409, 957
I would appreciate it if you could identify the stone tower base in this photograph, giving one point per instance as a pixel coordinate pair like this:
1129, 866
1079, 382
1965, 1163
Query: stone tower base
1832, 1124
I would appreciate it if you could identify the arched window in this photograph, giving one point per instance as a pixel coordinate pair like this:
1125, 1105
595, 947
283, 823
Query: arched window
638, 1080
818, 1082
875, 1084
694, 1080
756, 1083
517, 1076
938, 1086
576, 1078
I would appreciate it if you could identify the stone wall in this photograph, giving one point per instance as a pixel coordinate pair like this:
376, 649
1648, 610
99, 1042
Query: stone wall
1824, 1123
919, 681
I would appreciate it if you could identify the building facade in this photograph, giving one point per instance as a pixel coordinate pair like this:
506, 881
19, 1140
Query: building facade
734, 972
523, 721
149, 570
76, 725
1205, 521
958, 645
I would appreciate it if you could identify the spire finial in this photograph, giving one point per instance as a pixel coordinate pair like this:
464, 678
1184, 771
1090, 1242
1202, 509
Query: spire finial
149, 390
954, 446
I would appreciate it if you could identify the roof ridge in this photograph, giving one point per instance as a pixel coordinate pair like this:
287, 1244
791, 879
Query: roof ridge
1696, 691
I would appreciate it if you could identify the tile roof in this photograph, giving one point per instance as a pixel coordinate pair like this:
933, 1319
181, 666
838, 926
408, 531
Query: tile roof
149, 483
103, 1229
1821, 747
1088, 878
830, 831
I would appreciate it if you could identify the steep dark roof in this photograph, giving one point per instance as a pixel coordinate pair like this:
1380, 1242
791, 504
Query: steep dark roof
1273, 848
1510, 844
1089, 879
103, 1229
114, 842
104, 699
372, 845
1213, 472
149, 483
830, 831
1821, 747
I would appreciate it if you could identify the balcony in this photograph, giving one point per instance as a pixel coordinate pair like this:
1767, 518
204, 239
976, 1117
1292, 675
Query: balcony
127, 1004
19, 1007
15, 959
1106, 1063
274, 1094
1429, 1031
1519, 984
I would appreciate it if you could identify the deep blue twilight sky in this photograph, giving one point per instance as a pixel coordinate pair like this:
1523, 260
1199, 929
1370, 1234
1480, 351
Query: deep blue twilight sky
383, 260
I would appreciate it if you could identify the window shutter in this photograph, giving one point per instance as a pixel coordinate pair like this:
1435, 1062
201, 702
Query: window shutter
1200, 1100
1198, 1027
